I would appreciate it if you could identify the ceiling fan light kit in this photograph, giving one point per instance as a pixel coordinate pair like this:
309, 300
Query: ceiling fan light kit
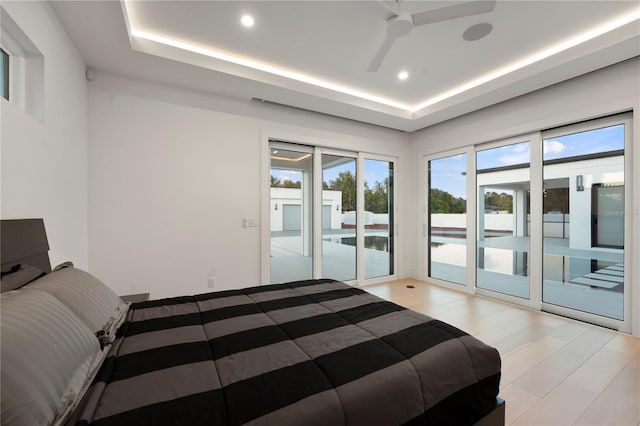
399, 25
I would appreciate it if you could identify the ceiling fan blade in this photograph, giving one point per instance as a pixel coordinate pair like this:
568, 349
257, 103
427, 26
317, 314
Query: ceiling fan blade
381, 54
452, 12
386, 7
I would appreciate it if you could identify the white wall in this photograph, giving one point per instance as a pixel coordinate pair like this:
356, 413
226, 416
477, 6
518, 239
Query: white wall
173, 172
600, 93
44, 164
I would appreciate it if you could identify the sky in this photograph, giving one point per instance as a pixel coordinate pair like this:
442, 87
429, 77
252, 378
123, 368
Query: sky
446, 173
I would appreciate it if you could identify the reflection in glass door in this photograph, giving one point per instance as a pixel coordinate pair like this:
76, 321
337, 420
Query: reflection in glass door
503, 178
291, 214
607, 215
378, 218
583, 217
447, 210
339, 195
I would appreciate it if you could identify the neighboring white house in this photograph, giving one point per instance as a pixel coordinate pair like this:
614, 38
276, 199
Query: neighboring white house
596, 201
287, 214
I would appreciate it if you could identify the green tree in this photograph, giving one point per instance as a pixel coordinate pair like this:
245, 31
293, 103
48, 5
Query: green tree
499, 202
439, 206
443, 202
380, 197
505, 202
290, 184
556, 200
345, 182
275, 181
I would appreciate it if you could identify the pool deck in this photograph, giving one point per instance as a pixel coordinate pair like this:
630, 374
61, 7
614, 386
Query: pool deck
338, 260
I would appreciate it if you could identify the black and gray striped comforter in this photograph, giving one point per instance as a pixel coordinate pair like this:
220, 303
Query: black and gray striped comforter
306, 353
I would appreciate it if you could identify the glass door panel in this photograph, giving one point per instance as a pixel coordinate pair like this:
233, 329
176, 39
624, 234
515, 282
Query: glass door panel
291, 215
339, 195
447, 210
583, 216
503, 180
378, 217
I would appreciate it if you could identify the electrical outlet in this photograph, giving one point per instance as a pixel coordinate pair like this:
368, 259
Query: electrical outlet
211, 282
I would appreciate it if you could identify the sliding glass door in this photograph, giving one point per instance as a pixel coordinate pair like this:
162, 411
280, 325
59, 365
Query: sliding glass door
291, 212
331, 214
378, 218
339, 219
447, 212
503, 176
551, 220
584, 215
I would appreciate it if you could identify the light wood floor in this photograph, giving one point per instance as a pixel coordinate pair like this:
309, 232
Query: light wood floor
555, 371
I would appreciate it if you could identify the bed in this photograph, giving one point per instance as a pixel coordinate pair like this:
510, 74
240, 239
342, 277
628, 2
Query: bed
316, 352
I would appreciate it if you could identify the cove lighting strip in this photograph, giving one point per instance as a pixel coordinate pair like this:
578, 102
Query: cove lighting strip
537, 57
250, 63
254, 64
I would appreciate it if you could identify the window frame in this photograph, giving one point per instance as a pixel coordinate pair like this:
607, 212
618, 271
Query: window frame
17, 69
318, 145
6, 74
536, 166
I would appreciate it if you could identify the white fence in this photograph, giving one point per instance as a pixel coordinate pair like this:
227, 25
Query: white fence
349, 218
556, 225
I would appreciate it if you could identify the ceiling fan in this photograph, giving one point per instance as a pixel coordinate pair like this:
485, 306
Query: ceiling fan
401, 23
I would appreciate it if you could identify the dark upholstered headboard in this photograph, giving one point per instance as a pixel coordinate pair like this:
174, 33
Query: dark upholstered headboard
24, 241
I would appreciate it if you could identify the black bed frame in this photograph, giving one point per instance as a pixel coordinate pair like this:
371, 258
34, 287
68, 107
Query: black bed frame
24, 241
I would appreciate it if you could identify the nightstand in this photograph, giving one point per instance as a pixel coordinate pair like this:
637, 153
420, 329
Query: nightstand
135, 298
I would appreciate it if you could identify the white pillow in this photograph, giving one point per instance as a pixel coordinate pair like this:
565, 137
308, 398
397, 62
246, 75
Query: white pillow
48, 355
88, 297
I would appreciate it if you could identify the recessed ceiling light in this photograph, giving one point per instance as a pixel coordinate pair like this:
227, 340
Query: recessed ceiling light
247, 21
403, 75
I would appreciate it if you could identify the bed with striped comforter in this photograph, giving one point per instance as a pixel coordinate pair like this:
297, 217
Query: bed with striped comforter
315, 352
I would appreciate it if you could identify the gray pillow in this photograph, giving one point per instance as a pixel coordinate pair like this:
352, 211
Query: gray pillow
48, 356
87, 297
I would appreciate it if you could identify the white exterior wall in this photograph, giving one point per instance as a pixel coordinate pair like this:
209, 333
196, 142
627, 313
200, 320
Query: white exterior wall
172, 173
600, 170
293, 196
349, 218
44, 163
496, 222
